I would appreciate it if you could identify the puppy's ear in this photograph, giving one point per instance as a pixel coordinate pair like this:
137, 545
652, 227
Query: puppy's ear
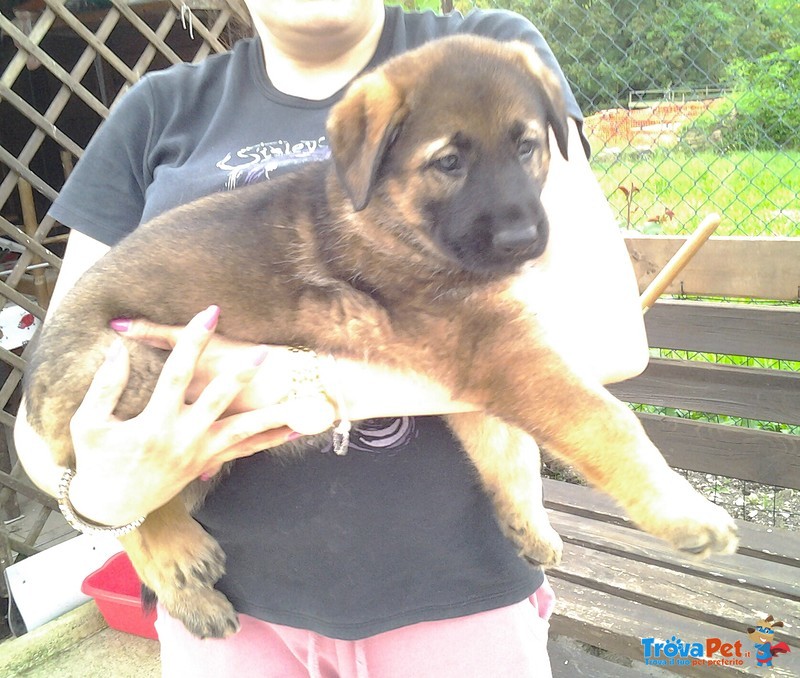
551, 91
360, 129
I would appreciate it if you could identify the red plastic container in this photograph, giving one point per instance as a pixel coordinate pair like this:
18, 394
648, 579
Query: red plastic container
116, 589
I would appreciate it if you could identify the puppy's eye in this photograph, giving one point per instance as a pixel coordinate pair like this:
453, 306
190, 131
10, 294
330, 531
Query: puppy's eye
526, 148
449, 164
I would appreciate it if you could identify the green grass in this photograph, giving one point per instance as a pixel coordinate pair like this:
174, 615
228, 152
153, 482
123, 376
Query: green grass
757, 193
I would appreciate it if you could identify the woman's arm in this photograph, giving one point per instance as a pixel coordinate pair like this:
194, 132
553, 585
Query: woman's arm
82, 251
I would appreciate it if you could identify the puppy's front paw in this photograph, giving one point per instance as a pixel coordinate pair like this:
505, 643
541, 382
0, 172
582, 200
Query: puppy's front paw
539, 543
181, 572
191, 559
708, 529
205, 612
689, 521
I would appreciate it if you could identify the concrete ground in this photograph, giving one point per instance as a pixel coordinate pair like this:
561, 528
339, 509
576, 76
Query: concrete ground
79, 644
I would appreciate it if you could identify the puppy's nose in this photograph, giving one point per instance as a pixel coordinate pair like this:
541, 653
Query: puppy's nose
513, 240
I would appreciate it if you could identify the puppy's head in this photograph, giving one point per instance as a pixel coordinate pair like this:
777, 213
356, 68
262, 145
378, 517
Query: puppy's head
448, 146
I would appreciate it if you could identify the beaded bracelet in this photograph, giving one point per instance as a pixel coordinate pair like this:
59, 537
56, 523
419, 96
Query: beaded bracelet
78, 523
307, 381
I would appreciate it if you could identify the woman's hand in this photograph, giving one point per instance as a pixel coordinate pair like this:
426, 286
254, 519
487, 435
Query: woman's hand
219, 356
125, 469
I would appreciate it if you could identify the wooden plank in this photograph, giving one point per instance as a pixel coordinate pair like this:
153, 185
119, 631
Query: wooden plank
56, 106
618, 625
209, 38
12, 359
223, 18
28, 490
718, 603
21, 300
774, 544
9, 95
755, 577
734, 451
29, 243
91, 39
672, 269
569, 660
762, 268
149, 53
148, 33
611, 595
27, 174
752, 393
736, 329
53, 66
19, 62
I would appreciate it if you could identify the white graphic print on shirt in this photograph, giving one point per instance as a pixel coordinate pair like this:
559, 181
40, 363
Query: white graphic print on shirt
263, 160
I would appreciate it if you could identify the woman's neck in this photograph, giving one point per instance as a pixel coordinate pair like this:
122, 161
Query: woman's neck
315, 64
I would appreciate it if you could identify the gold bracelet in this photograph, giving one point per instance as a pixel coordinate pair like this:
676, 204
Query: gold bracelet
78, 523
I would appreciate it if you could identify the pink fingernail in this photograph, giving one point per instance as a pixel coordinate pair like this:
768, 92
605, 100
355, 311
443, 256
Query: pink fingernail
205, 477
261, 355
120, 324
211, 317
294, 435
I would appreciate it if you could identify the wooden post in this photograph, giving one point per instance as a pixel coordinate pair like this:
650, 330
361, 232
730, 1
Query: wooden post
675, 265
31, 223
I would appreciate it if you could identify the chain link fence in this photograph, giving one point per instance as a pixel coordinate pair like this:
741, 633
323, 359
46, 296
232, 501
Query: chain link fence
692, 106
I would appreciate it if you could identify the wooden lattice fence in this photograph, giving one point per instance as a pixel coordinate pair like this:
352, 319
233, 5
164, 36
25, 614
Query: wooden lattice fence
64, 65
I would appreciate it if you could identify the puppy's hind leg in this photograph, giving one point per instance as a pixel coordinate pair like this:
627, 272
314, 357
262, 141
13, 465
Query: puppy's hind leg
508, 463
180, 562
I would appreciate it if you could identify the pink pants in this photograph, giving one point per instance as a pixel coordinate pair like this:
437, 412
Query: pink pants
510, 641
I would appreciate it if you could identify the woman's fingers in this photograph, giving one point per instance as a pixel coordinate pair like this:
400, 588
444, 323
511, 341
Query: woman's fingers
235, 430
152, 334
168, 396
248, 447
242, 435
215, 399
107, 386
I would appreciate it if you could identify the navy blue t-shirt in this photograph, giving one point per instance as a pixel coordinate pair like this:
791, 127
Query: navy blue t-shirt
398, 531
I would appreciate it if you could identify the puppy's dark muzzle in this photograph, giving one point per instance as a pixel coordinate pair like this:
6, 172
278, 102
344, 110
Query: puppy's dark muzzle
514, 242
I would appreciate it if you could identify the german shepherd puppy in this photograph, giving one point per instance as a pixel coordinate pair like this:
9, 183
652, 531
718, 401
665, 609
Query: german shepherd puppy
402, 250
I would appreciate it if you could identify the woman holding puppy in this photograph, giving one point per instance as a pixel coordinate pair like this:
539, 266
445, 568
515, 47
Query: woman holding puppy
386, 562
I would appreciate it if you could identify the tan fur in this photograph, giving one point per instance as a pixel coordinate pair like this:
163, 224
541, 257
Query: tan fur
390, 254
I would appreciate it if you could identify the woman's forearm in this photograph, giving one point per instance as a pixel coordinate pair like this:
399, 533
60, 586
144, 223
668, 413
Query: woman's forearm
362, 390
372, 391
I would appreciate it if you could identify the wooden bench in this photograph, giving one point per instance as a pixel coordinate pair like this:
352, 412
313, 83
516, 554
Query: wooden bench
617, 586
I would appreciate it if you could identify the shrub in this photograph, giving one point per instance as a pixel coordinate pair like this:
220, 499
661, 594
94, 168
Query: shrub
764, 113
